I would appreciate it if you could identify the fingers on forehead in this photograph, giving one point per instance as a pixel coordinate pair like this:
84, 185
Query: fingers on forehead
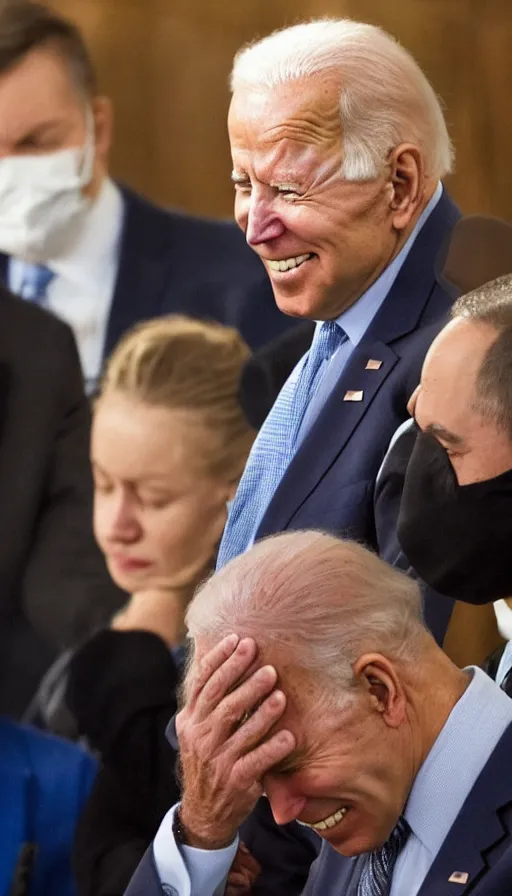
225, 679
256, 763
231, 653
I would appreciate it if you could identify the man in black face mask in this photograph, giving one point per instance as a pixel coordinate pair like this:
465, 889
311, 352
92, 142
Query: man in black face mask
455, 517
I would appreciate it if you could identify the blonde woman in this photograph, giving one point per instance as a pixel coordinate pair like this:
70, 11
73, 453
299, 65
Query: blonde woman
169, 443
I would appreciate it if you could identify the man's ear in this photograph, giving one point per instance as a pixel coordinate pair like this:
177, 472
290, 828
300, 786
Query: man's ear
407, 181
379, 678
103, 115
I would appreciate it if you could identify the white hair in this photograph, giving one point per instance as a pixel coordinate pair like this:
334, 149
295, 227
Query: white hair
385, 98
322, 600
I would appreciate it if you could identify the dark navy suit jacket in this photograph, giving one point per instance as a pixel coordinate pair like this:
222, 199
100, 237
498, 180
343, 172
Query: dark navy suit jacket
171, 262
329, 484
479, 844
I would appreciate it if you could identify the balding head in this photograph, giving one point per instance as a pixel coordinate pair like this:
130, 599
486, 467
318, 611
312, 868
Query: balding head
465, 395
384, 97
315, 598
364, 689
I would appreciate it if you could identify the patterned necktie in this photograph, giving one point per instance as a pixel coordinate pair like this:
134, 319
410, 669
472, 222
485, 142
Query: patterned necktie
36, 279
275, 445
378, 870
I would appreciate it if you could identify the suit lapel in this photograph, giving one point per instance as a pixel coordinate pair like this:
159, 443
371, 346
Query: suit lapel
144, 264
480, 827
398, 316
336, 422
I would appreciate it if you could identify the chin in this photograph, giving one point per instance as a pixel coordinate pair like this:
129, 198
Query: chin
125, 581
302, 307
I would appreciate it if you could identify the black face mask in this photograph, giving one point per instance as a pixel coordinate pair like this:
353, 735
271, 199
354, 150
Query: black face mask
457, 538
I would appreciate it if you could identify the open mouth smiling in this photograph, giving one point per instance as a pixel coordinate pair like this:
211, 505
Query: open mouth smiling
327, 823
289, 264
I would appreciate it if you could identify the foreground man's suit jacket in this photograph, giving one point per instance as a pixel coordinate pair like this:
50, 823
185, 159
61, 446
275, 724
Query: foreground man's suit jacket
479, 844
54, 586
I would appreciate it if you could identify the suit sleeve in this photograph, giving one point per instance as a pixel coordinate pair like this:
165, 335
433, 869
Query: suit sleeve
122, 691
66, 589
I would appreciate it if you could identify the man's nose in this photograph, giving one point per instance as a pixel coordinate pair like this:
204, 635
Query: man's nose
285, 804
263, 224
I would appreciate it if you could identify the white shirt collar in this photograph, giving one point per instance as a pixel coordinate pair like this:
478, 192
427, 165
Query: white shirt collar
89, 264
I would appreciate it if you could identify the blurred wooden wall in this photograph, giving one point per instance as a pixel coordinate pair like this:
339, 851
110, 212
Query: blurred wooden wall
166, 64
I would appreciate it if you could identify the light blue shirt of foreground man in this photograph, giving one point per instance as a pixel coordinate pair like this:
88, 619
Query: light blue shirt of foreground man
350, 719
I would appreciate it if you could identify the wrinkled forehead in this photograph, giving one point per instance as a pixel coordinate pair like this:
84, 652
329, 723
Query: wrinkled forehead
297, 682
305, 111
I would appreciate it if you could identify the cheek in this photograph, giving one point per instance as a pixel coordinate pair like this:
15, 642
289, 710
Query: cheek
173, 536
241, 211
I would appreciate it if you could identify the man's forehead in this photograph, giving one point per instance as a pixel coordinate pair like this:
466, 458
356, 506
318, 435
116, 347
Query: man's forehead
456, 355
305, 110
449, 375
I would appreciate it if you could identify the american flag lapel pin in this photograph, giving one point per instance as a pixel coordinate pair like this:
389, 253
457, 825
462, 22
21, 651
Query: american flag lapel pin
458, 877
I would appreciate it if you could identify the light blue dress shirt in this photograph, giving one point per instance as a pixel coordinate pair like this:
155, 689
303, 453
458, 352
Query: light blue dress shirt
472, 731
464, 745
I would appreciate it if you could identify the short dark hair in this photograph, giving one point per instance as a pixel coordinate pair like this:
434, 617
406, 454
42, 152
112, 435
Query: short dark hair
26, 25
491, 304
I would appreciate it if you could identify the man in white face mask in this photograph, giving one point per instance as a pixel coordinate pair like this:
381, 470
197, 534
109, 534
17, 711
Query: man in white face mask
97, 255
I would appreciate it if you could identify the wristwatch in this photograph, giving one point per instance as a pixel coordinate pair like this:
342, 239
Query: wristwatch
178, 829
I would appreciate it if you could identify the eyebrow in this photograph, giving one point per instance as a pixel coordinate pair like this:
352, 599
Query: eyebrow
42, 127
286, 185
157, 480
290, 763
439, 432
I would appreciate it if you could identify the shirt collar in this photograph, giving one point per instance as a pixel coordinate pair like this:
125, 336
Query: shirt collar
460, 752
356, 319
89, 263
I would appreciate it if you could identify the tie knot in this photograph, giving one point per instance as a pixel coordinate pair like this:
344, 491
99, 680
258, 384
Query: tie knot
329, 338
400, 834
377, 873
36, 278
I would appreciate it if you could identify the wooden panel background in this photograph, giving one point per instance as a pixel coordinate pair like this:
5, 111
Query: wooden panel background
166, 64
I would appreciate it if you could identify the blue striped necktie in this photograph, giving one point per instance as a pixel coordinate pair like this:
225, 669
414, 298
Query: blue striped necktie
36, 279
276, 445
378, 870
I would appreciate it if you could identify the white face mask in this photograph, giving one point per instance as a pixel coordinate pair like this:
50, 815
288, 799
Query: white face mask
504, 619
41, 201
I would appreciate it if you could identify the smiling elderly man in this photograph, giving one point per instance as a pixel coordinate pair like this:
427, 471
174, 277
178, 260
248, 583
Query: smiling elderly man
349, 718
339, 145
